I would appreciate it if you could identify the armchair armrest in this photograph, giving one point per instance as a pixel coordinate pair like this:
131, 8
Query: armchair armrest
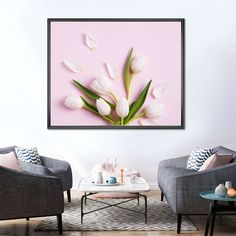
61, 169
34, 168
29, 195
180, 162
54, 163
210, 178
190, 185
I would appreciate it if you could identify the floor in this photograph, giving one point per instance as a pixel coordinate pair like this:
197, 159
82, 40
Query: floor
26, 228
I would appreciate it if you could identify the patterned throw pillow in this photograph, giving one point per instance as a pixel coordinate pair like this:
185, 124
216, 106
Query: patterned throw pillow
28, 155
198, 157
216, 160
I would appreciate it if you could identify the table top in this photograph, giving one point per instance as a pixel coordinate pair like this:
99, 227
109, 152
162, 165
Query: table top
140, 185
212, 196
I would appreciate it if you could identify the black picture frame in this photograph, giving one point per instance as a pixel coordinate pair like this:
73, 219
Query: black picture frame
181, 20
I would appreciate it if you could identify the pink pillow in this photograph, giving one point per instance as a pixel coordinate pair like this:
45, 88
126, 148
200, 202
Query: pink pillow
216, 160
10, 161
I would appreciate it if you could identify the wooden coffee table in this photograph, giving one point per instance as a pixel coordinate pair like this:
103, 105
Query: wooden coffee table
88, 188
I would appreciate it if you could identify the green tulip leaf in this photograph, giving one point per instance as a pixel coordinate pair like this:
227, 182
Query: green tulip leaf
131, 105
90, 93
89, 106
135, 107
128, 74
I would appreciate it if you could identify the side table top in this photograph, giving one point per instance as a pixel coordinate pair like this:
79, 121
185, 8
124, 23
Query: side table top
210, 195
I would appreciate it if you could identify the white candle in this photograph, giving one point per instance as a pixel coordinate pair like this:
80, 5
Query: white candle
114, 165
107, 167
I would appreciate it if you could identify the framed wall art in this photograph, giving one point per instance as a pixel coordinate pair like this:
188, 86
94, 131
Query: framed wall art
116, 73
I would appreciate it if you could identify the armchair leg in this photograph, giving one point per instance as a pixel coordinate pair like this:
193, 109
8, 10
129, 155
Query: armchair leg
59, 223
179, 220
162, 196
68, 195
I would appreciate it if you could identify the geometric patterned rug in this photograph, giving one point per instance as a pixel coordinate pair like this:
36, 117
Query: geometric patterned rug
160, 217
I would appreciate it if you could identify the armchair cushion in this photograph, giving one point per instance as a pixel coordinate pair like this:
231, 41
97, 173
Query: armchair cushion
9, 160
7, 149
223, 150
28, 155
216, 160
198, 157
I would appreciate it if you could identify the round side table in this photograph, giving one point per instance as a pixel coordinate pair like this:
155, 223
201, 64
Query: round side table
215, 207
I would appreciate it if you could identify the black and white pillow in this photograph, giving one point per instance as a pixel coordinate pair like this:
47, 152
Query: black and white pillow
28, 155
198, 157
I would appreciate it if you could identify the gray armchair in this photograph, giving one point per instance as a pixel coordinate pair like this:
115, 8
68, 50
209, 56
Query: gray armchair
53, 167
181, 186
26, 195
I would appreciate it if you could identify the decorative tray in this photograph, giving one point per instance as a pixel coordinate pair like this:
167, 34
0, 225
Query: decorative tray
107, 184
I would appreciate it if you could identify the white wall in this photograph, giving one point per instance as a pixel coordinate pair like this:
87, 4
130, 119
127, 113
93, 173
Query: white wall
210, 83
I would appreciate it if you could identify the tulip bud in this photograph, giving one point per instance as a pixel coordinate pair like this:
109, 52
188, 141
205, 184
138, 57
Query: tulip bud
103, 108
122, 108
137, 64
74, 102
101, 85
153, 111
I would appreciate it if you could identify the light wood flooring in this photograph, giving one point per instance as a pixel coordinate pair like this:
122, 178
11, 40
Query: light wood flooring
26, 228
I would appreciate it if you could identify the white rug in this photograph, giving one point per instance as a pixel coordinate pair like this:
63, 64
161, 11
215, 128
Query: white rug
160, 217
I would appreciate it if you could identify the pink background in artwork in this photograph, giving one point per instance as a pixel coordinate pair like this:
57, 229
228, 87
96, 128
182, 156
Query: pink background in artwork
158, 42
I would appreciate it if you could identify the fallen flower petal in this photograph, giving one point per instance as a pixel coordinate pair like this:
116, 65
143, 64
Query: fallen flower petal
112, 70
73, 66
159, 89
90, 42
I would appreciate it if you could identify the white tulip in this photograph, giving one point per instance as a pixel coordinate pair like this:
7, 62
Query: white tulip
101, 85
137, 64
122, 108
153, 111
74, 102
103, 108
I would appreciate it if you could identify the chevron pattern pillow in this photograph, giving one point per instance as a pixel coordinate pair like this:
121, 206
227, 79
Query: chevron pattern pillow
198, 157
28, 155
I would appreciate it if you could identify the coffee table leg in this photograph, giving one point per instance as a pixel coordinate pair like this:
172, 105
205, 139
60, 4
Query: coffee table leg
82, 208
208, 219
145, 207
138, 198
85, 199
